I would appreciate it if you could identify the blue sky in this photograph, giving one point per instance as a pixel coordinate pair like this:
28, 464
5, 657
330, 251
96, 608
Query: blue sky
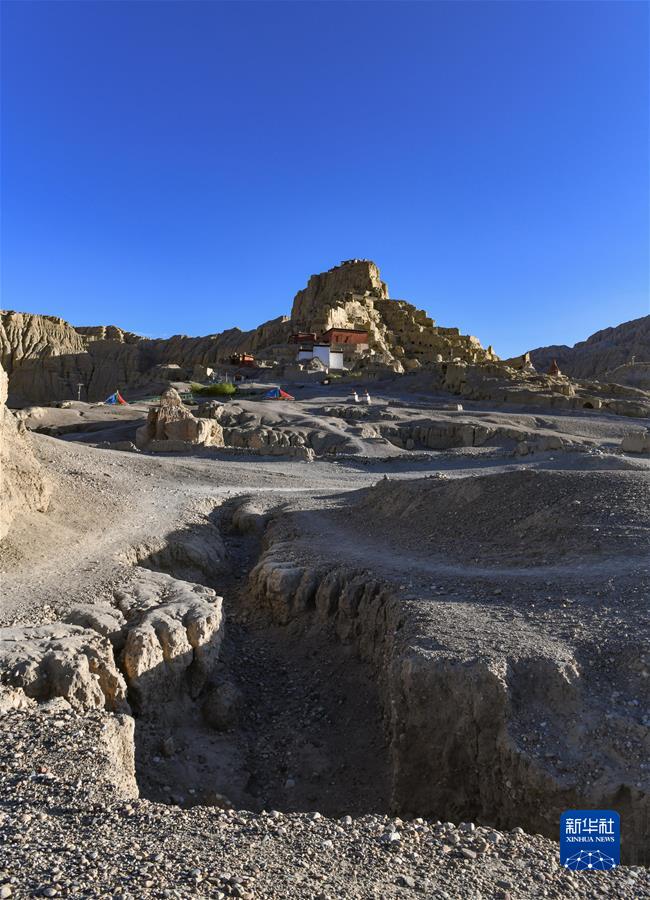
185, 166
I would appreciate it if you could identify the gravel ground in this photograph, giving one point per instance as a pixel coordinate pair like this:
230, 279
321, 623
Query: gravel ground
67, 830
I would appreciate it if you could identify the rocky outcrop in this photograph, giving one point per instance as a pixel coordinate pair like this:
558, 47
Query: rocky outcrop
208, 351
632, 374
62, 660
502, 384
196, 554
47, 359
23, 484
608, 355
244, 429
353, 295
314, 307
171, 426
26, 336
156, 643
171, 640
443, 434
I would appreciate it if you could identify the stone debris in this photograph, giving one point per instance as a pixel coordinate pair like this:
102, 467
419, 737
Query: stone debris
84, 831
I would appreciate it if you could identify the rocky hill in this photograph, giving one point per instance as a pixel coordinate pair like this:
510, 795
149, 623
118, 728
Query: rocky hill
48, 359
620, 355
353, 295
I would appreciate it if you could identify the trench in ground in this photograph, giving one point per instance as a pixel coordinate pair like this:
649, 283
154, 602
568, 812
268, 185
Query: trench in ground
305, 732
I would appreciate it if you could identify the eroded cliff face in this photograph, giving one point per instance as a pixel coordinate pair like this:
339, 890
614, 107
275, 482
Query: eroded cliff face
614, 354
26, 336
48, 359
23, 485
328, 290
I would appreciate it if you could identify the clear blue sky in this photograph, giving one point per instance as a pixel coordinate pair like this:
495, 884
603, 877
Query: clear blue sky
185, 166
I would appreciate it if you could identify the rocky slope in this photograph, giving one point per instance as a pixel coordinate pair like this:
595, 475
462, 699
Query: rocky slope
23, 485
71, 827
620, 354
48, 359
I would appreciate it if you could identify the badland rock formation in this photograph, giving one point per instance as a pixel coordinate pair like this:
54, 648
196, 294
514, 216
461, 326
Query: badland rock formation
620, 354
466, 645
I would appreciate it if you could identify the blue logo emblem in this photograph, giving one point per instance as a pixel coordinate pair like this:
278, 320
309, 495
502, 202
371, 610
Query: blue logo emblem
590, 839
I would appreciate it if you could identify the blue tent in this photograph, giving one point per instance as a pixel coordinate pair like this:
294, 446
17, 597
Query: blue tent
277, 394
115, 398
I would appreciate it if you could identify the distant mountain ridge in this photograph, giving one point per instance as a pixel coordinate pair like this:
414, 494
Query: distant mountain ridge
620, 354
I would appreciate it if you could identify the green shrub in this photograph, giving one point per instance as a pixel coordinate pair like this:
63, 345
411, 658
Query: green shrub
213, 390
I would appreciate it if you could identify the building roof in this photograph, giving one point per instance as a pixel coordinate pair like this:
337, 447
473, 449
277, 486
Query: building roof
347, 330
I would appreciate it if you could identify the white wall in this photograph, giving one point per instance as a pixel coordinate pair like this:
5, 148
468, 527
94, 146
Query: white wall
333, 359
322, 353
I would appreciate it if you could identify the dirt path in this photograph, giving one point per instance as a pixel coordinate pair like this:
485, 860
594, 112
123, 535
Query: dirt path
347, 545
105, 502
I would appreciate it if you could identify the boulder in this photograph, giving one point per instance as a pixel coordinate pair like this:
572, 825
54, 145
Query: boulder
171, 421
637, 442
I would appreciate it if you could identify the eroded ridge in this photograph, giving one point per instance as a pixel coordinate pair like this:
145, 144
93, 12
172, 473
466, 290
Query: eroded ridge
487, 717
